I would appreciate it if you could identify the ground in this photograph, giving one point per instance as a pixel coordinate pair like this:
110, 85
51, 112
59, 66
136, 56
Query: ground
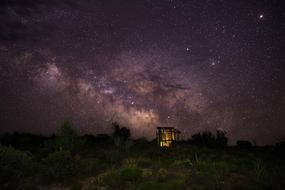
143, 165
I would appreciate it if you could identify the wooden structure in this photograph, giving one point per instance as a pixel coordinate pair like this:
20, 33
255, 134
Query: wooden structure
166, 136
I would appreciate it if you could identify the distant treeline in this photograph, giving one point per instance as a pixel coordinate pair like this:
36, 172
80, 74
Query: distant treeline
120, 136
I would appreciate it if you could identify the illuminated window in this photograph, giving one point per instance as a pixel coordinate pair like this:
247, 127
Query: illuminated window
166, 136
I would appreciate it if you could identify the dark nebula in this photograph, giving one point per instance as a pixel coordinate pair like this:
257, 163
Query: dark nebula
196, 65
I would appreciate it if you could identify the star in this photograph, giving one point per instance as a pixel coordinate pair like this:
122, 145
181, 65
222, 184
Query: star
185, 63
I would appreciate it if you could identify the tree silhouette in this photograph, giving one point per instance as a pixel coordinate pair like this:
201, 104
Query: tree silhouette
121, 135
122, 132
206, 138
67, 138
241, 143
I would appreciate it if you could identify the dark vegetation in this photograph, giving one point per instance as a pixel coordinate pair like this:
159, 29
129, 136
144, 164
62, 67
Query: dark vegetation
67, 160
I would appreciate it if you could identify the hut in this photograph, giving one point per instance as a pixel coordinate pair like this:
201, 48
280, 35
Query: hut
166, 136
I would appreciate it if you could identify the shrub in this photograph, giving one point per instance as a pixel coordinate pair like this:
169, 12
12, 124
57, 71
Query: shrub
27, 186
67, 138
208, 139
162, 174
14, 164
91, 166
178, 184
144, 162
121, 132
76, 186
130, 162
150, 185
221, 139
147, 172
91, 188
60, 165
112, 156
131, 174
172, 184
259, 169
181, 164
110, 178
243, 144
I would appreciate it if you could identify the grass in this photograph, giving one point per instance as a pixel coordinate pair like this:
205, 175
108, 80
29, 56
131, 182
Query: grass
107, 166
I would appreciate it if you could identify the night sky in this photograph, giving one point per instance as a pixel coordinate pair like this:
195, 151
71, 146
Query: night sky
195, 65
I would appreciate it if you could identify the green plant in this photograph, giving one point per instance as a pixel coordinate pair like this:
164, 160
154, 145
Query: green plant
76, 186
150, 185
144, 162
131, 174
178, 184
110, 178
184, 163
91, 166
112, 156
14, 164
172, 184
259, 169
67, 138
130, 162
60, 165
91, 188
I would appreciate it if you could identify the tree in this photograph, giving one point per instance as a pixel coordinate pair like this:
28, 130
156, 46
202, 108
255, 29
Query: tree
121, 135
221, 139
122, 132
67, 138
243, 144
206, 138
60, 165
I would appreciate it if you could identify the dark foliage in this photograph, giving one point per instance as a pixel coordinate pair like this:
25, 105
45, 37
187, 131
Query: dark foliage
121, 132
208, 139
68, 139
121, 137
59, 166
280, 144
23, 141
101, 165
91, 140
14, 165
244, 144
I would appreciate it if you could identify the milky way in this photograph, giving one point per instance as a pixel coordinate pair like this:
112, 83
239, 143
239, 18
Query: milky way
196, 65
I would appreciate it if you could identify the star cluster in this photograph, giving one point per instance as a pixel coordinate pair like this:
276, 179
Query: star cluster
196, 65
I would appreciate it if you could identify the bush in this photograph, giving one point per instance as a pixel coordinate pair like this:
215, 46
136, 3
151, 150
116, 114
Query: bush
208, 139
112, 156
144, 162
60, 165
182, 164
68, 139
91, 166
132, 174
76, 186
162, 174
150, 185
14, 164
178, 184
111, 178
243, 144
173, 184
